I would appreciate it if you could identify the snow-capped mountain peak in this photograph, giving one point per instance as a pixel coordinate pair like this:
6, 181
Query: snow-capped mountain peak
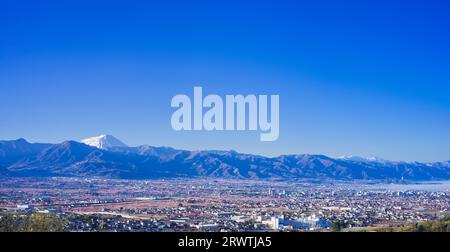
103, 142
363, 159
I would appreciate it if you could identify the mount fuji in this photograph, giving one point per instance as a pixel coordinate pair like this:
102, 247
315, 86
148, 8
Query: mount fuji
104, 142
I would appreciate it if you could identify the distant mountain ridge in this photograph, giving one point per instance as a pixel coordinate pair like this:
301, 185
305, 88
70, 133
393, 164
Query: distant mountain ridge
19, 158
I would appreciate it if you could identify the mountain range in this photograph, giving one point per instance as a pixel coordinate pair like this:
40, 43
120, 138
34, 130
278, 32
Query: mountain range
107, 157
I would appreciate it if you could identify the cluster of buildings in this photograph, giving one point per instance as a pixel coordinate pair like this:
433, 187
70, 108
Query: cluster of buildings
218, 205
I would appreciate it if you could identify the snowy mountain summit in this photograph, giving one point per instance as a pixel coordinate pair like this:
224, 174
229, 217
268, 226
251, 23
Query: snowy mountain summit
104, 142
363, 159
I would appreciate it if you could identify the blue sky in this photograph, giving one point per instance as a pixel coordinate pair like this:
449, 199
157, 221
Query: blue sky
354, 77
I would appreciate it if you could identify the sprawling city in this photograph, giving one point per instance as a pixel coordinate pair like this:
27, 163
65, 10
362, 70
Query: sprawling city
191, 205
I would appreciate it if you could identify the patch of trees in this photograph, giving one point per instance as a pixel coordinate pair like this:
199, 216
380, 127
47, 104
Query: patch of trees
31, 222
442, 225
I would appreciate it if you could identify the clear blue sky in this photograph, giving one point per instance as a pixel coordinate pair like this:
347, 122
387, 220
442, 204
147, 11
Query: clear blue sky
354, 77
